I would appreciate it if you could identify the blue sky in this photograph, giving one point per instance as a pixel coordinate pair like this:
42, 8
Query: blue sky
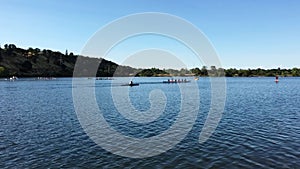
246, 34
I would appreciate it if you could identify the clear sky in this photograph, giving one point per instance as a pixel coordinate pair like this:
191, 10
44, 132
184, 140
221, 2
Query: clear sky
245, 33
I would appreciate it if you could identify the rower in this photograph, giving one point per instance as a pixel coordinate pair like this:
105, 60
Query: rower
276, 79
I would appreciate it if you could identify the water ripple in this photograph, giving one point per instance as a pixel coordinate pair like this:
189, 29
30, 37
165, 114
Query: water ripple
260, 127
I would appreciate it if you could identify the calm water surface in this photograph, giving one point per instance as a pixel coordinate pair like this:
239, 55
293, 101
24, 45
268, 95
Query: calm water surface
260, 127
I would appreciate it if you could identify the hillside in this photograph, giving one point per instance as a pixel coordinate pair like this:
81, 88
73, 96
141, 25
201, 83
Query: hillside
31, 62
46, 63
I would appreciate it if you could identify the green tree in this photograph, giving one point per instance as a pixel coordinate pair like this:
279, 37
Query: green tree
295, 72
250, 73
221, 72
204, 71
44, 51
31, 50
37, 50
3, 72
231, 72
196, 71
213, 71
6, 46
12, 46
26, 66
260, 72
243, 73
183, 71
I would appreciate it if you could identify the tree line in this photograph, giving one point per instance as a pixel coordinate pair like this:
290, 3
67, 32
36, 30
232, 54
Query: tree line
32, 62
233, 72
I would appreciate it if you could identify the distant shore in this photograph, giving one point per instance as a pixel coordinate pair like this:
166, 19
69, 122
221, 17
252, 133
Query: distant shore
46, 63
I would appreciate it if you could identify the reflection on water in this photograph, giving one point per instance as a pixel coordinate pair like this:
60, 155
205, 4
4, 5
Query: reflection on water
260, 126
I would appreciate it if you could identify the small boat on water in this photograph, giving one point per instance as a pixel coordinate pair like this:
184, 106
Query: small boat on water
276, 79
13, 78
131, 84
104, 78
176, 81
46, 78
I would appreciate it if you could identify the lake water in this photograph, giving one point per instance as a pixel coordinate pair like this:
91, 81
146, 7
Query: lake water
260, 127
